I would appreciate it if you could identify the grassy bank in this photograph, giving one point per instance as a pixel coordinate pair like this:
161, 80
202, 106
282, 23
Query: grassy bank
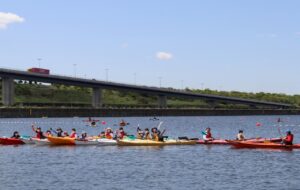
61, 95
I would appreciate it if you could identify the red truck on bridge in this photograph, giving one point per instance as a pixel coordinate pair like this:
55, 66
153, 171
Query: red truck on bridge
39, 70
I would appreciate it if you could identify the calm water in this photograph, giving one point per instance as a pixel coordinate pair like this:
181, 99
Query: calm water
173, 167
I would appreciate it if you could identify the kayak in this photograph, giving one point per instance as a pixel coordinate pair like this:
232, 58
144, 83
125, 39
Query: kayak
225, 142
86, 142
106, 142
10, 141
215, 141
140, 142
261, 140
27, 140
271, 145
61, 140
40, 142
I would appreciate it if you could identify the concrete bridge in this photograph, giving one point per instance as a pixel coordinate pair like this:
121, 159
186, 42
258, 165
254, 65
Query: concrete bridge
8, 76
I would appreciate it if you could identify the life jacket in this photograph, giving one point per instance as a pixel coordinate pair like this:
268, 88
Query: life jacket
109, 135
208, 135
73, 135
147, 136
121, 134
289, 138
40, 135
155, 136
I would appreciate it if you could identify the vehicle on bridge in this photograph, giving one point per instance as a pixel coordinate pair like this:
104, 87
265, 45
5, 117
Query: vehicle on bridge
39, 70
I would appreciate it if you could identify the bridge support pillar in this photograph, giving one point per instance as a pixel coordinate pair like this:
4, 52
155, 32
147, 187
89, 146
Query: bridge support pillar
97, 98
8, 91
162, 101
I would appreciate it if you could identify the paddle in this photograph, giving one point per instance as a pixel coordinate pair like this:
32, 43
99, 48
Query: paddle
159, 125
279, 131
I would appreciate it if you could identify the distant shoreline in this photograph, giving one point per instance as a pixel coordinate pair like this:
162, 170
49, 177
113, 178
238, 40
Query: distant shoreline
135, 112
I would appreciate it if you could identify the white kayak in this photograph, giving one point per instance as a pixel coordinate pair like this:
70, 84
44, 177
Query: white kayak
40, 142
86, 142
27, 140
106, 142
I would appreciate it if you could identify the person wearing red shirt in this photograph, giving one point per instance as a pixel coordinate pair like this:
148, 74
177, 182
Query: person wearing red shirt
207, 136
288, 140
121, 133
39, 132
109, 134
73, 133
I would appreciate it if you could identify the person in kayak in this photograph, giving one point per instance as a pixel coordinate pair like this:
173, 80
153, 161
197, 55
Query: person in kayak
48, 133
121, 133
122, 123
139, 133
102, 134
15, 135
59, 132
240, 136
207, 136
288, 140
39, 132
147, 134
109, 134
155, 134
83, 135
73, 134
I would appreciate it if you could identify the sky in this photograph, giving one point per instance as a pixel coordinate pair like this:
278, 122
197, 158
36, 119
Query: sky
251, 45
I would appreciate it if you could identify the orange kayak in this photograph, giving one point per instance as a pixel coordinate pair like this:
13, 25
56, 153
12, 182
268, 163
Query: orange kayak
61, 140
271, 145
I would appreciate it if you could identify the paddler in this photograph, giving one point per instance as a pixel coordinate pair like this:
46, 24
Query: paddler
48, 133
240, 136
147, 134
39, 132
59, 132
109, 134
16, 135
83, 135
288, 140
102, 135
207, 136
139, 133
121, 133
155, 134
73, 134
122, 123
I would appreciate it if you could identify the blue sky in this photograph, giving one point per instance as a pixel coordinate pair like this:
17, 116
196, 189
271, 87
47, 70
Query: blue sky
248, 46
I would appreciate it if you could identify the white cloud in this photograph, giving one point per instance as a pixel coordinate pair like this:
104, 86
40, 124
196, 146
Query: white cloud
164, 55
9, 18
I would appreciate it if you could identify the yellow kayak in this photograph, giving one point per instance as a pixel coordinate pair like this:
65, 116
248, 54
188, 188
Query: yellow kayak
140, 142
61, 140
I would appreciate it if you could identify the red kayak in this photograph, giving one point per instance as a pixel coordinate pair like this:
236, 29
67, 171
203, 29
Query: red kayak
226, 142
215, 141
10, 141
270, 145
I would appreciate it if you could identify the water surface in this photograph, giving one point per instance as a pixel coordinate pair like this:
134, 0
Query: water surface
170, 167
